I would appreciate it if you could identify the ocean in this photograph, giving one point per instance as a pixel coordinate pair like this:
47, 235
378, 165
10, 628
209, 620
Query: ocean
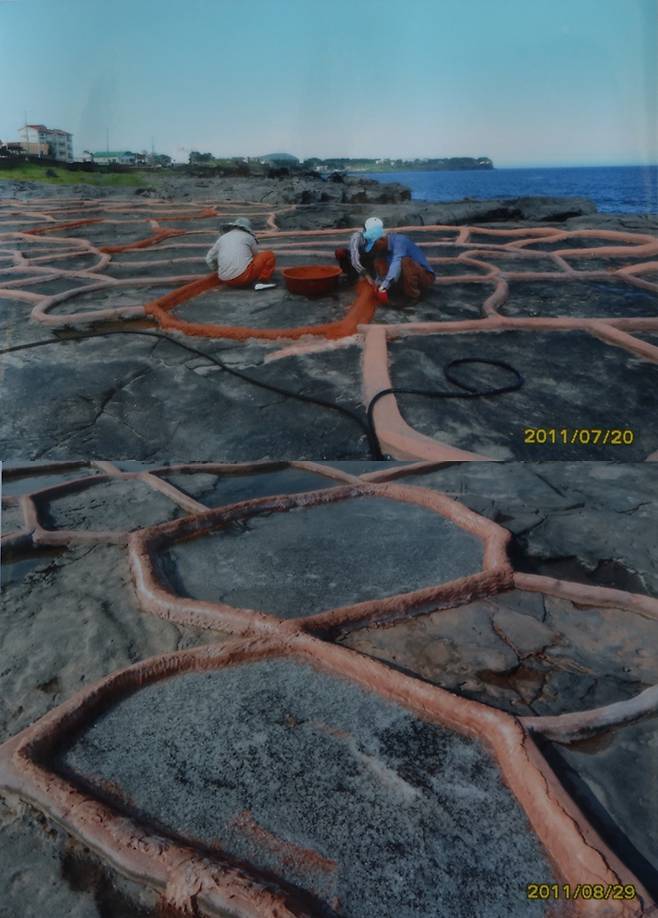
614, 189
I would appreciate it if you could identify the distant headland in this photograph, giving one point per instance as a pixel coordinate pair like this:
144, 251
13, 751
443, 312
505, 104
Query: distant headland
348, 164
447, 164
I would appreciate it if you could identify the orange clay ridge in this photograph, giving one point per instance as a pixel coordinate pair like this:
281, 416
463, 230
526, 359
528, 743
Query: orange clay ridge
193, 882
49, 222
36, 237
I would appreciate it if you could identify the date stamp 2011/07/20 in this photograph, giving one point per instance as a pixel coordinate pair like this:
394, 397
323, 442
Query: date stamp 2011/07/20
578, 436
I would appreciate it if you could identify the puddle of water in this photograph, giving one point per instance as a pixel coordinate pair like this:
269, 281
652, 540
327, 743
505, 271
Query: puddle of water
626, 292
227, 489
594, 745
24, 484
607, 573
16, 565
605, 775
125, 325
525, 681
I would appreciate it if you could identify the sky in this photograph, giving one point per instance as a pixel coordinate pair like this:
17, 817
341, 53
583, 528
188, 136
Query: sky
526, 82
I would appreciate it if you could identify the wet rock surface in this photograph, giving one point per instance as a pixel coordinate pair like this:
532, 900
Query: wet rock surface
495, 426
359, 783
215, 490
17, 484
27, 843
118, 505
526, 653
593, 298
12, 518
102, 299
69, 617
440, 304
591, 523
312, 559
59, 877
269, 309
71, 598
135, 398
599, 771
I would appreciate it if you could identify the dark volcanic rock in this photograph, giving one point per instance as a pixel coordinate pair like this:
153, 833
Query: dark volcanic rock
588, 370
395, 211
325, 202
312, 559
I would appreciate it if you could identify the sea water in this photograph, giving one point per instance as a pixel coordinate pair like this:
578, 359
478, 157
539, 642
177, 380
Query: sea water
614, 189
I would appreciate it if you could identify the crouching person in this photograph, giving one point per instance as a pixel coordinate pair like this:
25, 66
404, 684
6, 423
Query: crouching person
237, 258
401, 267
355, 262
389, 261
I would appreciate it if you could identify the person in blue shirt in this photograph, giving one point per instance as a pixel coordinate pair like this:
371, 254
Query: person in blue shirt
399, 265
386, 260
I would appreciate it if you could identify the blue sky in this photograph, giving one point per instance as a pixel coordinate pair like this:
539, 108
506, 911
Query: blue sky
526, 82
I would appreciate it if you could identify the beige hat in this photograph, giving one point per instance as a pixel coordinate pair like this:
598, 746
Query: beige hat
242, 223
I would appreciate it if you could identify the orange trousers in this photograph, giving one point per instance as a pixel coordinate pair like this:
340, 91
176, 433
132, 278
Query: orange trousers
260, 268
413, 281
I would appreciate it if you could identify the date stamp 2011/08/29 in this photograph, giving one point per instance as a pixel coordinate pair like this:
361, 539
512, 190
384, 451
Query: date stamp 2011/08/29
578, 436
588, 891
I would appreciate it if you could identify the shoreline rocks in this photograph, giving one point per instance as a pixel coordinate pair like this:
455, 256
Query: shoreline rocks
328, 204
520, 211
262, 189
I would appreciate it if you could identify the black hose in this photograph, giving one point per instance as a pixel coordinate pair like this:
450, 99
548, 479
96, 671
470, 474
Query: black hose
367, 426
369, 432
470, 391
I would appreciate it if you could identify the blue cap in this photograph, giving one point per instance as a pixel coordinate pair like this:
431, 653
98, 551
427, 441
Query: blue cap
371, 235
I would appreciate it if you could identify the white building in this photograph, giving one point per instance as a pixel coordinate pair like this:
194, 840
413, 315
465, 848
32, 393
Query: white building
37, 138
123, 157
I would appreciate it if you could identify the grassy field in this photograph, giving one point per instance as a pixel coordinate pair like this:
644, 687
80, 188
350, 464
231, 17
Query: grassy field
33, 172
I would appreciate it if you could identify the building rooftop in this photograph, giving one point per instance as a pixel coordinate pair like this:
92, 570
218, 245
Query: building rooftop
42, 127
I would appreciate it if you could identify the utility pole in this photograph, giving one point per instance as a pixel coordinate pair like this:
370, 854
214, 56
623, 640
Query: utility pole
107, 140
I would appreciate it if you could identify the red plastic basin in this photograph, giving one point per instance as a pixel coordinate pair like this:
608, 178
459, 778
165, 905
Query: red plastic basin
312, 280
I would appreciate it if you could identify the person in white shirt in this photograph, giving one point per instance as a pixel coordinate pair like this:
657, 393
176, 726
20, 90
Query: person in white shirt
236, 256
355, 261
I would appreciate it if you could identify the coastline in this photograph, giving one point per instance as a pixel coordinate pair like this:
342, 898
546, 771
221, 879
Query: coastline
341, 202
626, 189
